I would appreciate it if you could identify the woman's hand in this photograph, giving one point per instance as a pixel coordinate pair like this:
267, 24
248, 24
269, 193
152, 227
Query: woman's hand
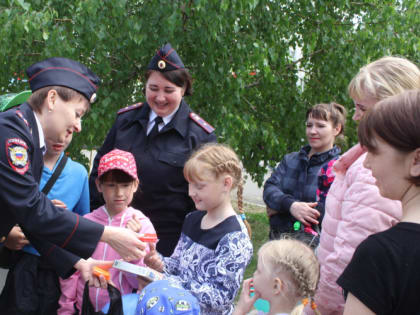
246, 302
125, 242
59, 203
134, 224
305, 212
270, 212
152, 259
86, 271
16, 240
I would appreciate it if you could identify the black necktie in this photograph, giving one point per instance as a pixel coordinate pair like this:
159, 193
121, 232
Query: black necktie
155, 129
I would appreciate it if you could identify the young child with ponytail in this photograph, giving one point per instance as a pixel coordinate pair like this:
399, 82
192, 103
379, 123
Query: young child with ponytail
287, 275
214, 248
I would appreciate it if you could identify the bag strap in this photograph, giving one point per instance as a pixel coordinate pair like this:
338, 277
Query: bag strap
55, 175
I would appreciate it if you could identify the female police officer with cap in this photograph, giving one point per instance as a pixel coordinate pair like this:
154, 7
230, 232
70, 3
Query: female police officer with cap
62, 91
161, 133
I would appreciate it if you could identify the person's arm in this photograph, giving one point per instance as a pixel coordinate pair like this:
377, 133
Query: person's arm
354, 306
246, 301
16, 239
325, 179
68, 296
146, 227
171, 265
58, 234
274, 196
22, 202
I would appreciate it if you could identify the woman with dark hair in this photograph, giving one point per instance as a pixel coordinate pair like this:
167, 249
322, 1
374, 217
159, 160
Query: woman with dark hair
161, 133
290, 192
382, 277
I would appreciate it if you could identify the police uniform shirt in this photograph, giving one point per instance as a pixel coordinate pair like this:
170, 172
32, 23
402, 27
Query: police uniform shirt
163, 191
41, 135
59, 235
166, 120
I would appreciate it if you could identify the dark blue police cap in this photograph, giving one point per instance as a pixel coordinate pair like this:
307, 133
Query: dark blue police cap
63, 72
166, 59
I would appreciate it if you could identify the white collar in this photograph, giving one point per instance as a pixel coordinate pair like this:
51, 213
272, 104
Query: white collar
40, 133
166, 119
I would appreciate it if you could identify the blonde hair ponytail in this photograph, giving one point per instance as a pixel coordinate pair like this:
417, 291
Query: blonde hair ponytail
240, 207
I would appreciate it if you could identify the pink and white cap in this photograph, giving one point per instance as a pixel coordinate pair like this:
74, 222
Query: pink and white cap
118, 160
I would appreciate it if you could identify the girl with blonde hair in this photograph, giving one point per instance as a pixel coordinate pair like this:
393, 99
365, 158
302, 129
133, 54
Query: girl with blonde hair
287, 272
215, 248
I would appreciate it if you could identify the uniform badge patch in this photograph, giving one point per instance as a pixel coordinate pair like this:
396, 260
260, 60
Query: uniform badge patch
17, 154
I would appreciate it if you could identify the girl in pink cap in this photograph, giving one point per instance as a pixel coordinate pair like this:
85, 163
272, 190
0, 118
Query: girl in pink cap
117, 181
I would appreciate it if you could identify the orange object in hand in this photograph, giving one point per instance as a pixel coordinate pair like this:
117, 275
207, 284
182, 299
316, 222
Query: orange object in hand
148, 237
99, 271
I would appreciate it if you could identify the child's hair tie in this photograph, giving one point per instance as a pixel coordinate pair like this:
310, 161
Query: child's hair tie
305, 301
243, 217
313, 305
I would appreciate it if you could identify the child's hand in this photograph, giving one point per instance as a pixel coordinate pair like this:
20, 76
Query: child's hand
59, 203
16, 240
143, 281
86, 268
152, 259
246, 302
134, 224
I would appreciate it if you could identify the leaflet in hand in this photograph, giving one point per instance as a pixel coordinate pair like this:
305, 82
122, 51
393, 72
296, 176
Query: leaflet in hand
146, 273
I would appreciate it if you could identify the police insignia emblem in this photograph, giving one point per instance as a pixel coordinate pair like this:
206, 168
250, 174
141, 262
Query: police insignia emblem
161, 64
17, 154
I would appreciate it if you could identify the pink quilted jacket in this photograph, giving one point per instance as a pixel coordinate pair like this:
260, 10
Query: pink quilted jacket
354, 210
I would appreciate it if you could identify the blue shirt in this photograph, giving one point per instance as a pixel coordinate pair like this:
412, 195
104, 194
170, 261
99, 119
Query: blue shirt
71, 187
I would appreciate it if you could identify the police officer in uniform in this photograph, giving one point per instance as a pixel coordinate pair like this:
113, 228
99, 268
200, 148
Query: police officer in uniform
62, 92
161, 133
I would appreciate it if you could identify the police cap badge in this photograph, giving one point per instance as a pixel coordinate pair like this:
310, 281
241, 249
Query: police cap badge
166, 59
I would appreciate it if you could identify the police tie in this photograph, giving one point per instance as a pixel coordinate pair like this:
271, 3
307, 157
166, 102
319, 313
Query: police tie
155, 129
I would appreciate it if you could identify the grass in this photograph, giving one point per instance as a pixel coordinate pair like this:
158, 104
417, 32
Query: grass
258, 220
260, 227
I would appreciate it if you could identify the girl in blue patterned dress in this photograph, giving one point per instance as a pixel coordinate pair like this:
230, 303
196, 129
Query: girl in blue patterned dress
215, 247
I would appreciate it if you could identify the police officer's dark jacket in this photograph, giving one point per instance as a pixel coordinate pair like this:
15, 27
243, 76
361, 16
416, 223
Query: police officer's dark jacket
163, 190
59, 235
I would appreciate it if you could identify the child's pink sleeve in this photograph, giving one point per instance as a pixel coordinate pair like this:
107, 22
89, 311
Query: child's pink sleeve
68, 296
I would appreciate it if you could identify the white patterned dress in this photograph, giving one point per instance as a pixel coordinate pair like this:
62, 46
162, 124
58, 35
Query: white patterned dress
210, 263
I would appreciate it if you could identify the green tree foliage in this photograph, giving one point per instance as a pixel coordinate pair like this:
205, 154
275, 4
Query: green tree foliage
257, 64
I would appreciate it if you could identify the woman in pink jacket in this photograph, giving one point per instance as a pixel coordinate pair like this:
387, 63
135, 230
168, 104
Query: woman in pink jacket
354, 208
117, 181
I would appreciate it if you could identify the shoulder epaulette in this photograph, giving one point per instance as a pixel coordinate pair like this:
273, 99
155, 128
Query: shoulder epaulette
202, 123
128, 108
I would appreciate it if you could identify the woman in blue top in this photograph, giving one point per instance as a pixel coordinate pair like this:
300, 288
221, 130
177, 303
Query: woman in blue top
290, 192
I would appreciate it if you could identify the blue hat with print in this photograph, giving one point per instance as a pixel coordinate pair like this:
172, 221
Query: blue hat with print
166, 59
159, 297
63, 72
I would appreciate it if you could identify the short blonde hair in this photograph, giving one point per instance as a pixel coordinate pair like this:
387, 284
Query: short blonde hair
295, 259
385, 77
217, 159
